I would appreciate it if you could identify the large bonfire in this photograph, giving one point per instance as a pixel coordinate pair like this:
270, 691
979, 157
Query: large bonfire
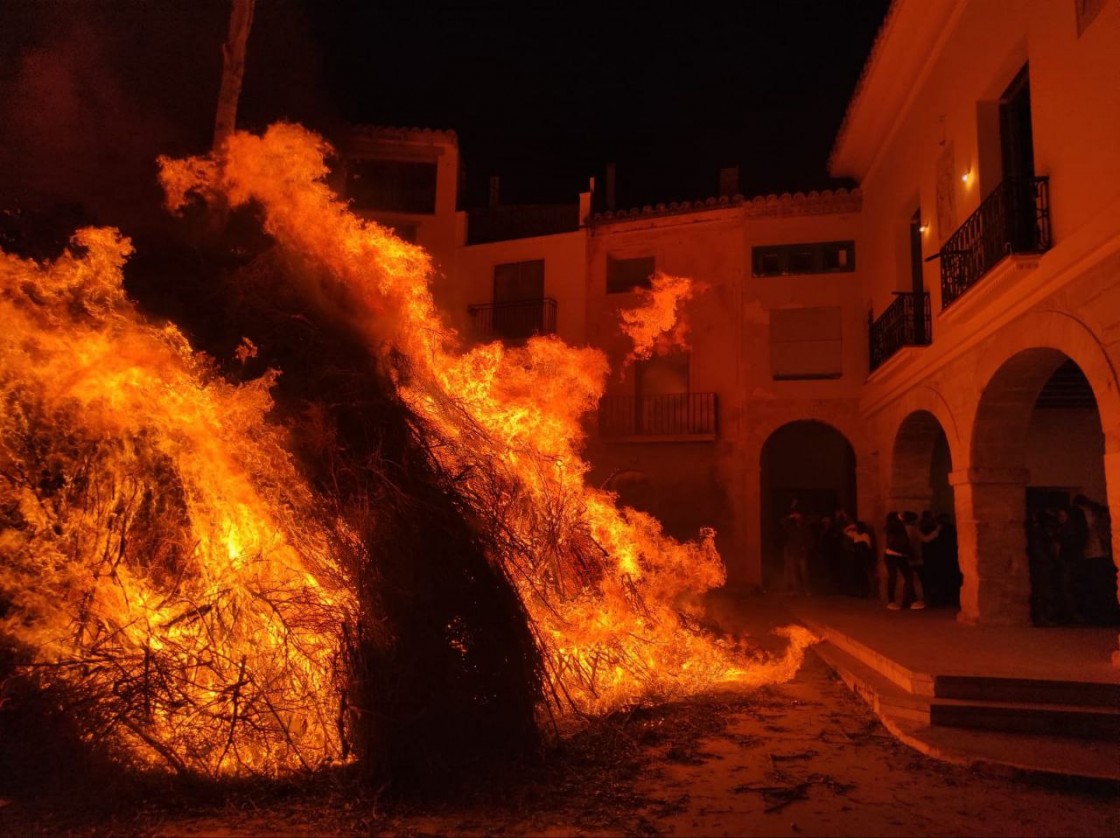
175, 573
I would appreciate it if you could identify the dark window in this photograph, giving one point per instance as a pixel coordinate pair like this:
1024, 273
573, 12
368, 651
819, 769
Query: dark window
392, 186
627, 274
768, 261
517, 281
519, 309
802, 260
1016, 141
811, 258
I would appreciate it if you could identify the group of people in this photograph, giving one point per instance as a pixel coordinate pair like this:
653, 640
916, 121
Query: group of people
1072, 576
920, 556
834, 554
827, 554
1069, 552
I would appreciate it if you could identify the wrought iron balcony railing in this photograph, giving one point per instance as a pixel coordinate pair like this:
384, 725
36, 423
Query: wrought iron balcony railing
673, 414
1015, 218
905, 322
515, 321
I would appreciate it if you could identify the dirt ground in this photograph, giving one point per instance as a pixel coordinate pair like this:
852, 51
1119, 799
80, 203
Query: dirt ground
803, 758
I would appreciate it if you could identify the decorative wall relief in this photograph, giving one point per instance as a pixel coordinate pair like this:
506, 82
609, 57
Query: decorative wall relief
946, 193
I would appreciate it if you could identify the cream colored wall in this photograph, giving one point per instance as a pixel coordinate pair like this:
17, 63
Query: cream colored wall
730, 346
565, 278
690, 478
1075, 102
438, 232
1068, 299
761, 295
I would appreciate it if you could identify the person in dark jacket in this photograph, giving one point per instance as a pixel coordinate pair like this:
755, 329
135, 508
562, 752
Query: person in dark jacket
1071, 551
897, 555
1043, 567
1098, 574
796, 544
859, 559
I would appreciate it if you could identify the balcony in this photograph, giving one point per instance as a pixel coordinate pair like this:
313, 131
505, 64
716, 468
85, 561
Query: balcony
514, 321
905, 322
673, 416
1015, 218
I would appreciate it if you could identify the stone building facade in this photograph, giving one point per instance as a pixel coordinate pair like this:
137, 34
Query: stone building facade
946, 336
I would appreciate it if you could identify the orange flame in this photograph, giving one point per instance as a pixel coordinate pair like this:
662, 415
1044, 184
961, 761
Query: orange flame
657, 325
612, 597
151, 519
165, 565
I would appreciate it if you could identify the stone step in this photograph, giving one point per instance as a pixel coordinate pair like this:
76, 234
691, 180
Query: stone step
916, 683
1030, 756
1026, 690
1085, 722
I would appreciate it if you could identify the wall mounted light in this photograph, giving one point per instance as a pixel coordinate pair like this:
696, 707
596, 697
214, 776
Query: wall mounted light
967, 176
924, 228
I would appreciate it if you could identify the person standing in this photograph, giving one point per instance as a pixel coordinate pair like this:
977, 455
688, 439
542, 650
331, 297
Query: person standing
859, 557
1071, 549
1098, 588
795, 551
917, 541
1042, 567
897, 554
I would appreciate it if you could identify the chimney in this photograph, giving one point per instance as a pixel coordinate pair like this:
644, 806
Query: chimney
611, 186
729, 181
495, 186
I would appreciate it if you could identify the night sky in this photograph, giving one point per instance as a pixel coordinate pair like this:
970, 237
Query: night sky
542, 94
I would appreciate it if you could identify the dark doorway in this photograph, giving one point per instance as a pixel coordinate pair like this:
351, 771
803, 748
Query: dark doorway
518, 299
1015, 134
810, 462
1072, 575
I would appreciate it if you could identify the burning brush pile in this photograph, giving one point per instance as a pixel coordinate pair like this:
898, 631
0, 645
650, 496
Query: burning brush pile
354, 541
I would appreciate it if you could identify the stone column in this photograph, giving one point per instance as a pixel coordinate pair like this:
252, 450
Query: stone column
990, 506
1112, 482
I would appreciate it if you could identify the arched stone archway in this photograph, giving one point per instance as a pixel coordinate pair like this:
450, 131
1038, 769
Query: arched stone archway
809, 461
992, 491
921, 460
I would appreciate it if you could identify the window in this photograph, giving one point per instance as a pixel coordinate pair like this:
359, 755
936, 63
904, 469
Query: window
805, 343
809, 258
516, 281
625, 275
392, 186
662, 376
519, 309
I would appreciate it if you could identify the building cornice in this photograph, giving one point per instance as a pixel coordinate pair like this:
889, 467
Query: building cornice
824, 202
908, 43
402, 134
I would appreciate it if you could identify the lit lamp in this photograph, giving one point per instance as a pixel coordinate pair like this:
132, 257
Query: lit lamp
967, 176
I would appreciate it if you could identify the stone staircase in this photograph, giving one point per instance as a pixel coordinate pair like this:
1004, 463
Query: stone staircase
1041, 728
1053, 708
